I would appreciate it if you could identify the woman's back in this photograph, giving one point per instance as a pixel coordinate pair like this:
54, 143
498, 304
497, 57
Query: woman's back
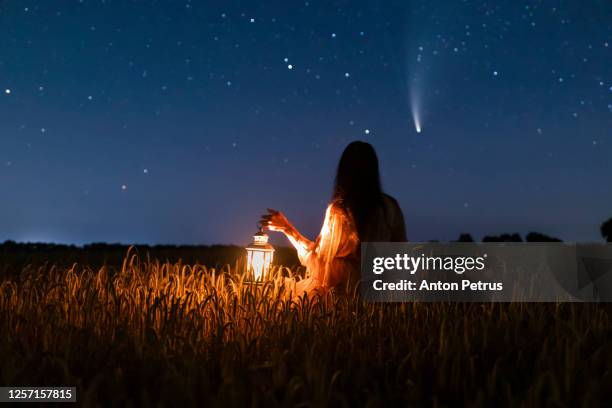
385, 223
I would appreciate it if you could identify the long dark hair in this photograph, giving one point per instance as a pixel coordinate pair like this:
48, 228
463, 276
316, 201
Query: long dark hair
357, 188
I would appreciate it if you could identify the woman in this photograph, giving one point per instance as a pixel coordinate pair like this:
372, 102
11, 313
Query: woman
359, 212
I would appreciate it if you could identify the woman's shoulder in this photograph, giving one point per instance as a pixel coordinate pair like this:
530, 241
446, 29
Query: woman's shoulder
337, 208
390, 201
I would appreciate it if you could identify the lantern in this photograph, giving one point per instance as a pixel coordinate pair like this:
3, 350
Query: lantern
259, 256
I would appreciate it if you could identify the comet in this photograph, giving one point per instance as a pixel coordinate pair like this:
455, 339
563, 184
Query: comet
416, 119
415, 108
416, 75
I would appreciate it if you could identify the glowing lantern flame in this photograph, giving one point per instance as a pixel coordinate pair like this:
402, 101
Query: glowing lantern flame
259, 256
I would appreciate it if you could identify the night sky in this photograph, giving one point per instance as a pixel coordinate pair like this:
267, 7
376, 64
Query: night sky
180, 122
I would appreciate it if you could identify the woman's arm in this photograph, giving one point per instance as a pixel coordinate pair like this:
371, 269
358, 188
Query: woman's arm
276, 221
338, 237
303, 245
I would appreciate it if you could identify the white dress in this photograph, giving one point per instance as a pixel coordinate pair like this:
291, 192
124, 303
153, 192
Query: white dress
332, 260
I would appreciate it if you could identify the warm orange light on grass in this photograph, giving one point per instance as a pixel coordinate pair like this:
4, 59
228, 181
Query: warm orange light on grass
259, 256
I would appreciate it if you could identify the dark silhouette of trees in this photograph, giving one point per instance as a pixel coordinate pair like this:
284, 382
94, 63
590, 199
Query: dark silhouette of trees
537, 237
503, 238
14, 255
606, 230
530, 237
465, 238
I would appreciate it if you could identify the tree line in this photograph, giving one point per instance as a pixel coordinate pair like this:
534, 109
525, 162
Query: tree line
605, 229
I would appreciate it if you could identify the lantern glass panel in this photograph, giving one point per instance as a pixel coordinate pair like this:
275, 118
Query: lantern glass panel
259, 256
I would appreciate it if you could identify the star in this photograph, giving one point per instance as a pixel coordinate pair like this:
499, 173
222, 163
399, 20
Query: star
7, 91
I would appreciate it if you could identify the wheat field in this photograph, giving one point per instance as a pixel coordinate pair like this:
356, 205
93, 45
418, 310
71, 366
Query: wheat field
156, 333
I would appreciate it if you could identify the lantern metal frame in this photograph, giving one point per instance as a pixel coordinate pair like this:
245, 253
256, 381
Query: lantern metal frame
257, 269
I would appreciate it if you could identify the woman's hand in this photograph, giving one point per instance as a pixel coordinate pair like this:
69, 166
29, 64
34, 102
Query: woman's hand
275, 221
